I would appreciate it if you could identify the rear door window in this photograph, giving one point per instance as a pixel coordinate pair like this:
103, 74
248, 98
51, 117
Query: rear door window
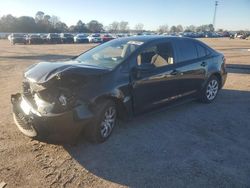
202, 51
186, 50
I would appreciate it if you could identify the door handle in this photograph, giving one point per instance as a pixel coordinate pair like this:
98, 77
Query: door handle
203, 64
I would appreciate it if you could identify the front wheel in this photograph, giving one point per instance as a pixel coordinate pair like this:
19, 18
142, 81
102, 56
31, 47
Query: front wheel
210, 91
104, 123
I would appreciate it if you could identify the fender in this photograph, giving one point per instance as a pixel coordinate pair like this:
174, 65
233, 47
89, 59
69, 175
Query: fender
122, 99
214, 69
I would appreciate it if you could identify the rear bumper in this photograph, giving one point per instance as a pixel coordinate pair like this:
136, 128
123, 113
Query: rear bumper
96, 40
68, 40
106, 39
55, 40
35, 41
19, 40
49, 127
82, 40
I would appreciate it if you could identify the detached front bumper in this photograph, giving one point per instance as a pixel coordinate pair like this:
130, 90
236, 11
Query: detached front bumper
49, 127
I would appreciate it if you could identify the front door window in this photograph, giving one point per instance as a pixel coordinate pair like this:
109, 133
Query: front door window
158, 55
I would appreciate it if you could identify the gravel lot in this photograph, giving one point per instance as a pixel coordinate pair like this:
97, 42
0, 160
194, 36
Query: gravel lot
192, 145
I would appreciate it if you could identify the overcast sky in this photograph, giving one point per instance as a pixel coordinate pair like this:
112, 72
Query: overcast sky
231, 14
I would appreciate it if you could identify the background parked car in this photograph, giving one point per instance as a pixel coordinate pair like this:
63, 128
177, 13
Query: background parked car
17, 38
120, 35
67, 38
54, 38
44, 37
107, 37
241, 35
4, 35
81, 38
34, 39
95, 38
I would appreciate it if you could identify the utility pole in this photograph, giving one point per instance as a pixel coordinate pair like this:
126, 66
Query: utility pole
215, 10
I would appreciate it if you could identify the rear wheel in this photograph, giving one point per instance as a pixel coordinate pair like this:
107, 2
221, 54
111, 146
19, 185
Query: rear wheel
210, 91
104, 123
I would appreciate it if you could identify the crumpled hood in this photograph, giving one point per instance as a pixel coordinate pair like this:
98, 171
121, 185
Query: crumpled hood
44, 71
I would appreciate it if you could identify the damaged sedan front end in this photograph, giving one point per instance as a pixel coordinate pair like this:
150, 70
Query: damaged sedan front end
50, 106
48, 126
61, 99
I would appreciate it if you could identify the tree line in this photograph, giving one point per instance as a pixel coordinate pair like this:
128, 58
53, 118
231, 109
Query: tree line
191, 28
44, 23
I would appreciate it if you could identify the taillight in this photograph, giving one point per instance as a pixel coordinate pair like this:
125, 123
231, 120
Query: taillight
224, 62
224, 59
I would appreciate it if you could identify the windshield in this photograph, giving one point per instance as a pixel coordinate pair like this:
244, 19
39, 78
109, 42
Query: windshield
96, 35
67, 35
110, 54
54, 35
107, 36
18, 35
82, 35
34, 36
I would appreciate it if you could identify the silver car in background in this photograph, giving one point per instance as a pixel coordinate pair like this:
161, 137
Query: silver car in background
81, 38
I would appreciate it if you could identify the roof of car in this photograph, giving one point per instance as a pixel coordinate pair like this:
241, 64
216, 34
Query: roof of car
148, 38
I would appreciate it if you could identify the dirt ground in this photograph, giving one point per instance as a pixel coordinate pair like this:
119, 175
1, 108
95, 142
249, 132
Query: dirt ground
193, 145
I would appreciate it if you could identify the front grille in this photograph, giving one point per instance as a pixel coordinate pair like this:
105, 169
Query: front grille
23, 121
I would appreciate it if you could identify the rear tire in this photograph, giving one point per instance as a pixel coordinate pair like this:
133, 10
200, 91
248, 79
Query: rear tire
104, 123
210, 91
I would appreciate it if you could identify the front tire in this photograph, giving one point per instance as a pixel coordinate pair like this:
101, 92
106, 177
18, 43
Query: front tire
210, 91
104, 124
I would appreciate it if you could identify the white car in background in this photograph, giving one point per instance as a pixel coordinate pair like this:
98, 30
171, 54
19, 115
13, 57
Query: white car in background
95, 38
9, 37
16, 38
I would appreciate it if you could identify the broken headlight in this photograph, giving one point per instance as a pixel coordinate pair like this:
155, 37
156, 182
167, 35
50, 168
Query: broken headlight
62, 99
42, 106
66, 99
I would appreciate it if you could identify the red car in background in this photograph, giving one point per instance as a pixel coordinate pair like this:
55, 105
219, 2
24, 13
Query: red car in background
107, 37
